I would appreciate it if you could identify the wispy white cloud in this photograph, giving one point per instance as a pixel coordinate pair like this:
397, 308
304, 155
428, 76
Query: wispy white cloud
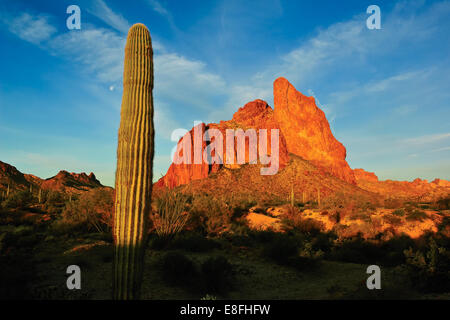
186, 81
160, 9
34, 29
101, 10
428, 139
98, 51
441, 149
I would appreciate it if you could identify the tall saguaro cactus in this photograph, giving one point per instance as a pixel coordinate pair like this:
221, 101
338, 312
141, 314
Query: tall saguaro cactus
134, 165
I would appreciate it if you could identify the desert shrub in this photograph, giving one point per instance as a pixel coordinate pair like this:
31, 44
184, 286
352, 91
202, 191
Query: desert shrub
156, 242
360, 215
443, 204
18, 199
335, 217
263, 236
192, 241
238, 212
210, 215
416, 215
444, 225
22, 238
323, 242
172, 215
392, 219
179, 270
393, 203
357, 251
294, 220
366, 206
239, 207
399, 212
17, 273
240, 240
429, 269
365, 230
53, 202
292, 250
217, 273
91, 212
209, 297
281, 248
17, 218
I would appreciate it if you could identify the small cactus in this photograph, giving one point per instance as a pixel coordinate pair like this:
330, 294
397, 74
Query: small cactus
292, 195
134, 165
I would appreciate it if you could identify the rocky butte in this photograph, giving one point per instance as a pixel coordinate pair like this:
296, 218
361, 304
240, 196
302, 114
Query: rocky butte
303, 131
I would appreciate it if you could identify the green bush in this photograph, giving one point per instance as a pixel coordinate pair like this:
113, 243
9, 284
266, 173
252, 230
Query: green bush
399, 212
281, 249
54, 202
209, 215
443, 204
429, 269
17, 273
18, 199
416, 215
217, 275
194, 242
358, 251
392, 219
179, 270
92, 211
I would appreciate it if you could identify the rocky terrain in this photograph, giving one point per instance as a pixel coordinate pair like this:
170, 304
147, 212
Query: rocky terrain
223, 229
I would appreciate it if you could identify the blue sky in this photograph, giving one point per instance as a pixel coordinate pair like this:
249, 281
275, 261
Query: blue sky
385, 92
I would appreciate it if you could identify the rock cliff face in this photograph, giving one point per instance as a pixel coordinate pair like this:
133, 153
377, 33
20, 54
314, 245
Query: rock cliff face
361, 174
254, 115
308, 132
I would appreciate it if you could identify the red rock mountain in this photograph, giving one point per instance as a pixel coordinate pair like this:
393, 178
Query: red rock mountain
9, 175
303, 131
256, 114
419, 190
71, 182
63, 181
308, 132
